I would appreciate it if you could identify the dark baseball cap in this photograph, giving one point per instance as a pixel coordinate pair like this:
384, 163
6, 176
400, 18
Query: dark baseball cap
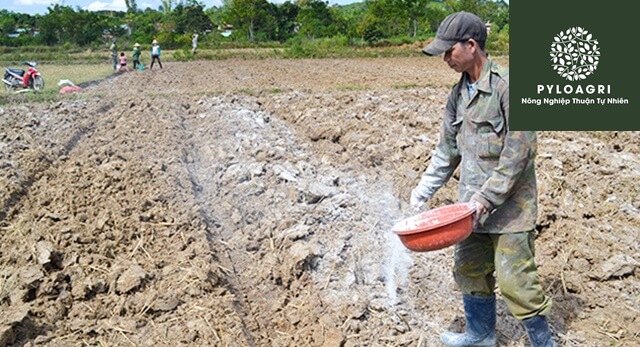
459, 26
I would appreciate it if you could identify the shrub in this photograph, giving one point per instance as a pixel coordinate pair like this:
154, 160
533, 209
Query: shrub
498, 43
299, 48
183, 55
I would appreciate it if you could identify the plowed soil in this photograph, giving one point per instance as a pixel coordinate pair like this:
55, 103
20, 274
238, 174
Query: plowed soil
250, 202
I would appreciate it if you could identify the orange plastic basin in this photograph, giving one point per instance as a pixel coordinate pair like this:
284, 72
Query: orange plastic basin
437, 228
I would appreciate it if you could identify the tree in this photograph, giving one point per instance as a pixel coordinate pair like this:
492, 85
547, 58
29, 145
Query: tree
166, 6
316, 19
435, 14
498, 14
351, 15
190, 19
285, 16
8, 22
384, 18
62, 24
216, 15
488, 10
247, 14
473, 6
415, 10
131, 5
144, 26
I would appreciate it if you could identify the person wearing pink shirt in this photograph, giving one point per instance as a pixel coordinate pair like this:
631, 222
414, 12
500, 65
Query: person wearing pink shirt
123, 63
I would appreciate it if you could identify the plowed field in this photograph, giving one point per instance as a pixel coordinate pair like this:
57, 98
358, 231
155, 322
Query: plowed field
250, 202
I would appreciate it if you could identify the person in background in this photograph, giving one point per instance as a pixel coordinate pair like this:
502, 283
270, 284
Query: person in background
498, 179
156, 52
136, 55
114, 53
194, 44
123, 63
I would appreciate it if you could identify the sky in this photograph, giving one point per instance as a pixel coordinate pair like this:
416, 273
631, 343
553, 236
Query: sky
40, 6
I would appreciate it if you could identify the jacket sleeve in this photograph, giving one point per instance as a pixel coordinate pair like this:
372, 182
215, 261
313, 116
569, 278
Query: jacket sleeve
446, 157
516, 158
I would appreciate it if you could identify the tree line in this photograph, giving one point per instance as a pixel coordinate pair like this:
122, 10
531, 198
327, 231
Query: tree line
251, 22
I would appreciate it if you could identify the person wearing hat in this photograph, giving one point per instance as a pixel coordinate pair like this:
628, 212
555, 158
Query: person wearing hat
497, 179
194, 44
136, 55
114, 53
156, 52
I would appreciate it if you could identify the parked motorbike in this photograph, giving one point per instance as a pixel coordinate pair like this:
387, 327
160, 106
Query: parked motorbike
19, 79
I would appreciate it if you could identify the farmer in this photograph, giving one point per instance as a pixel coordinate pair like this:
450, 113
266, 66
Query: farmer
136, 55
114, 53
497, 178
194, 44
156, 52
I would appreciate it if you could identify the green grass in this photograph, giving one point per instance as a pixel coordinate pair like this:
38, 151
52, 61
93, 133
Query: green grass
351, 88
274, 90
75, 73
52, 73
247, 91
405, 85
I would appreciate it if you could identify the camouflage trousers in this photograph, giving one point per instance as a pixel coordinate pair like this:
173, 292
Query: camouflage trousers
511, 257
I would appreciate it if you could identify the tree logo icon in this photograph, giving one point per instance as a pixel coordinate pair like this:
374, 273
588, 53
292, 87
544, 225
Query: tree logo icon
575, 54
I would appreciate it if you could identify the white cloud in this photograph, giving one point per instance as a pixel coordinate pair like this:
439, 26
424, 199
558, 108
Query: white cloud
114, 5
33, 2
144, 5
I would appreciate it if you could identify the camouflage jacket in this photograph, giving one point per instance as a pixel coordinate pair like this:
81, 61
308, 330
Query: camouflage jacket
497, 165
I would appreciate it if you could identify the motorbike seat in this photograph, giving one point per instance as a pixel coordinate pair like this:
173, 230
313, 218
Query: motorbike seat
18, 72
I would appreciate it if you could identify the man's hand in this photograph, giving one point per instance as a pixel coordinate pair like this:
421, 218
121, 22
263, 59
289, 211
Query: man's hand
479, 213
417, 200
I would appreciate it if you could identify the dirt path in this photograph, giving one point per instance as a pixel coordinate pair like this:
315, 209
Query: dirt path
248, 203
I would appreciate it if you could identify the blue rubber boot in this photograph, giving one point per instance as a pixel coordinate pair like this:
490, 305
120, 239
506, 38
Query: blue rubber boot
480, 315
539, 332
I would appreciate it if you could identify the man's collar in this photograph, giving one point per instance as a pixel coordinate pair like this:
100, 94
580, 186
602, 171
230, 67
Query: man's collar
484, 81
